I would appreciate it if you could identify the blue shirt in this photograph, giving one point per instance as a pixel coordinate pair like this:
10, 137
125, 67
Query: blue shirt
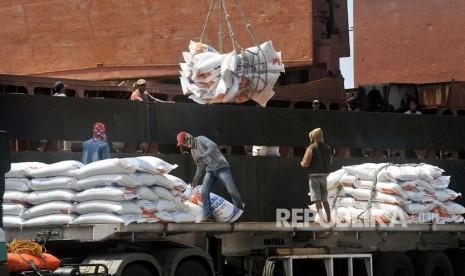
95, 150
212, 158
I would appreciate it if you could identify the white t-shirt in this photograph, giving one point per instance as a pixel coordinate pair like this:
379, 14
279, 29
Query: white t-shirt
265, 151
410, 112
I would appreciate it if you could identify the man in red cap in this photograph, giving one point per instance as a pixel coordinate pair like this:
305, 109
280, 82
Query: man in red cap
209, 158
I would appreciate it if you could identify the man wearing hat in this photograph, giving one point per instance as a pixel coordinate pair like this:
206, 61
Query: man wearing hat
140, 94
316, 105
208, 158
59, 90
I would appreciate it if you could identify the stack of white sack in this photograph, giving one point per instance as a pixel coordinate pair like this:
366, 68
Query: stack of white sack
210, 77
39, 194
125, 190
411, 193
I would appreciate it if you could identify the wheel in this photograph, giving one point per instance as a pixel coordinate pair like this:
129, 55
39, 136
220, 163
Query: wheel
393, 264
459, 263
191, 268
429, 263
137, 269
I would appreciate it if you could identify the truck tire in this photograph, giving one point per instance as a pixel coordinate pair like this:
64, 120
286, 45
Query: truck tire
429, 263
136, 269
459, 263
393, 264
191, 268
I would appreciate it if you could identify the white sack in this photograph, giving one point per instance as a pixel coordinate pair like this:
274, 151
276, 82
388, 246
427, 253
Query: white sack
53, 182
62, 168
145, 193
146, 206
14, 209
366, 171
106, 166
99, 218
19, 170
155, 165
49, 220
446, 195
38, 197
47, 208
12, 221
18, 184
383, 187
124, 180
13, 196
106, 206
222, 210
162, 193
198, 47
107, 193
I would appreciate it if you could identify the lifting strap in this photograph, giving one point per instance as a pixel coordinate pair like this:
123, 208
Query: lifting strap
247, 71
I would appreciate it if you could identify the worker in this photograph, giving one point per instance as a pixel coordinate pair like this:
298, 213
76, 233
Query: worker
97, 147
140, 94
208, 157
317, 159
413, 109
316, 105
60, 91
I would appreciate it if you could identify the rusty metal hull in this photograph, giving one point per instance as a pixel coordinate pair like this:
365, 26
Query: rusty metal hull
121, 39
408, 41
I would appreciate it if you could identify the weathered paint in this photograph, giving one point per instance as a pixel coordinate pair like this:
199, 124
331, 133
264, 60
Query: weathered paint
92, 39
409, 41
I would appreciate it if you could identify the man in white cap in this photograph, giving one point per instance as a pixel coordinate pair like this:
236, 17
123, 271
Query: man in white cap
60, 89
140, 94
316, 105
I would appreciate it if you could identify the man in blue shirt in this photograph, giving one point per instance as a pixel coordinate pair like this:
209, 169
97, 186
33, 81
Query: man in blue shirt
208, 158
97, 147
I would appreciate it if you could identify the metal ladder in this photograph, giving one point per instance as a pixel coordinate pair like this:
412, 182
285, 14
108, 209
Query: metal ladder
328, 260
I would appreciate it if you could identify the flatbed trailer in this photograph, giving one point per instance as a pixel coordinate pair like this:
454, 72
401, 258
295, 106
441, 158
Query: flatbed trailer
255, 245
244, 246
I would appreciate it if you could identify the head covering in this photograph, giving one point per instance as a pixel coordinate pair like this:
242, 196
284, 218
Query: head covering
99, 132
316, 101
140, 82
59, 85
316, 135
181, 137
185, 139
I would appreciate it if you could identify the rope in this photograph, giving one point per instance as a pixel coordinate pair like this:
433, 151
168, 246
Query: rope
338, 194
220, 33
247, 25
22, 246
19, 247
373, 191
231, 31
208, 19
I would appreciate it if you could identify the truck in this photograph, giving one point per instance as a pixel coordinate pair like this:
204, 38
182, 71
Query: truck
277, 234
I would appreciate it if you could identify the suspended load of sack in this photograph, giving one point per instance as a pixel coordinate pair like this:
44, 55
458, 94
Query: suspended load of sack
210, 77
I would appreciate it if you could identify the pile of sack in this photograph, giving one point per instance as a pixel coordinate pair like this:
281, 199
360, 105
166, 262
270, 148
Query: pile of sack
210, 77
118, 190
384, 192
